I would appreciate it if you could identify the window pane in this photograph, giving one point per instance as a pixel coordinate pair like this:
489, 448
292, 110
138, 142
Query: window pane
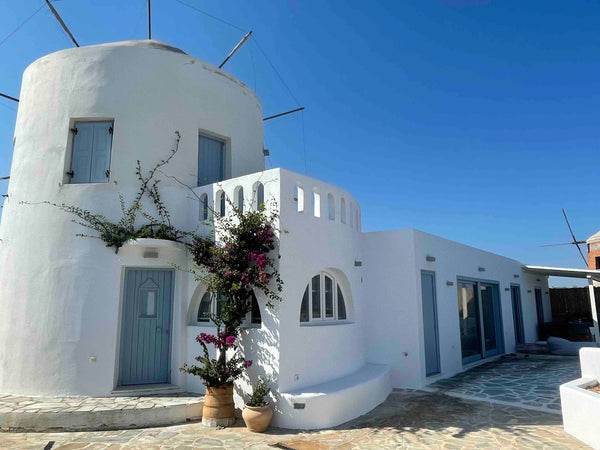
260, 196
341, 305
255, 311
328, 297
304, 307
148, 307
204, 309
316, 297
222, 205
221, 300
240, 199
204, 207
211, 158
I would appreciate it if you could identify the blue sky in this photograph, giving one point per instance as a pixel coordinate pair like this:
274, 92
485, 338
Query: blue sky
476, 120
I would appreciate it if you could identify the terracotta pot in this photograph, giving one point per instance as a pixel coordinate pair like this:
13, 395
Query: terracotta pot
219, 410
257, 418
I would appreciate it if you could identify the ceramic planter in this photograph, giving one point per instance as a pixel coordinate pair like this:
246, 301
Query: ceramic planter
257, 418
219, 410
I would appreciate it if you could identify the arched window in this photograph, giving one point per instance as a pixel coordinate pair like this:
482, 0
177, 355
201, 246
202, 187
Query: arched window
323, 300
343, 211
316, 204
357, 221
204, 207
330, 207
259, 196
299, 198
239, 198
212, 304
221, 203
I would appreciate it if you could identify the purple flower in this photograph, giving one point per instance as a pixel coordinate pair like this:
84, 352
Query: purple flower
229, 340
247, 363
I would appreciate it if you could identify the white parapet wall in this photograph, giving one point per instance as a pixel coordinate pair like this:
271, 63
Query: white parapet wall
580, 406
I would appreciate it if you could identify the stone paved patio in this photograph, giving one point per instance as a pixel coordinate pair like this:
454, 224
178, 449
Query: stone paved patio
524, 382
407, 419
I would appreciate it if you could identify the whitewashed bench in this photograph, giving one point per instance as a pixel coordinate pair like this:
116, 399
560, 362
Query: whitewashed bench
336, 401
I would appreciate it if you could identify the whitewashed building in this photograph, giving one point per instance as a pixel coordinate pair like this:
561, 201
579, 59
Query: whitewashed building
362, 312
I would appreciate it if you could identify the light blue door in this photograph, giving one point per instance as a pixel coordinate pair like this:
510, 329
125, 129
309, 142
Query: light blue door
146, 327
430, 323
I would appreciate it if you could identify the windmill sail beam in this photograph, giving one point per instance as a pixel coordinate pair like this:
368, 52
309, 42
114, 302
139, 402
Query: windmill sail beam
62, 23
236, 48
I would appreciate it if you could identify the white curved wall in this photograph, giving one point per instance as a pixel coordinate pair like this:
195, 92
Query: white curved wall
60, 294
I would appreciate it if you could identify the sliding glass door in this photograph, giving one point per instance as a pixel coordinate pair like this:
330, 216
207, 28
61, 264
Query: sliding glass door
480, 320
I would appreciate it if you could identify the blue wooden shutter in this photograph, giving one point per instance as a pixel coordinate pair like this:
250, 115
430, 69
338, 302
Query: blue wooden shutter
81, 160
90, 160
211, 160
101, 152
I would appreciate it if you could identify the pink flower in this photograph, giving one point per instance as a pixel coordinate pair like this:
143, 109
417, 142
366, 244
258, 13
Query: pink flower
247, 363
229, 340
206, 338
227, 273
263, 277
261, 261
244, 278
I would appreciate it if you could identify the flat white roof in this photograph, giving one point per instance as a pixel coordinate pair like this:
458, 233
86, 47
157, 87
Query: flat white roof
563, 272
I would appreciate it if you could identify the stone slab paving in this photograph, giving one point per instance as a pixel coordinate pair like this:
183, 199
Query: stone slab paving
77, 413
531, 382
407, 419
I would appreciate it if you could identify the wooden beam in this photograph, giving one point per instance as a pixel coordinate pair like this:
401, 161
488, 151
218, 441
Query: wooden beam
9, 97
284, 113
235, 49
149, 21
62, 24
4, 178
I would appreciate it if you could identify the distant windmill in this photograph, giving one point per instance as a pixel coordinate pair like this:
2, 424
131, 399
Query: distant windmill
575, 242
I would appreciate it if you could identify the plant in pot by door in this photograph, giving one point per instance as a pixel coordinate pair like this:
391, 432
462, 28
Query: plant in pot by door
218, 375
258, 413
239, 258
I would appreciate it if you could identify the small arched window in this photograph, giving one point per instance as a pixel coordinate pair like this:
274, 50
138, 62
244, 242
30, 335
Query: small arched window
343, 211
259, 194
239, 198
323, 300
299, 198
221, 203
212, 304
316, 204
204, 207
330, 207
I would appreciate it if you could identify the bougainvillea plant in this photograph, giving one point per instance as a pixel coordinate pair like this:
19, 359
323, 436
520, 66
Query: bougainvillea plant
238, 258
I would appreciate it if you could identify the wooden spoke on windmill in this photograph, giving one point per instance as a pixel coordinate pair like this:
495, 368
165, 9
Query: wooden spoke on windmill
236, 48
14, 99
575, 241
61, 22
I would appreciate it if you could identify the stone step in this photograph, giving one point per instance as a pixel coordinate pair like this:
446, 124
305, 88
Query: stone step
26, 413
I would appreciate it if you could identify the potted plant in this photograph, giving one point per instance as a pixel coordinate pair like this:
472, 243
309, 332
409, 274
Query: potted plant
257, 413
240, 257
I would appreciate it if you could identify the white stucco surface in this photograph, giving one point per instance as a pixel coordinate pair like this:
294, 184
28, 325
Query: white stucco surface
61, 296
581, 407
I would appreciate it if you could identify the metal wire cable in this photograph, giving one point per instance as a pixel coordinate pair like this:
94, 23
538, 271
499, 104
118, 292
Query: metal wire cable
19, 27
210, 15
275, 70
